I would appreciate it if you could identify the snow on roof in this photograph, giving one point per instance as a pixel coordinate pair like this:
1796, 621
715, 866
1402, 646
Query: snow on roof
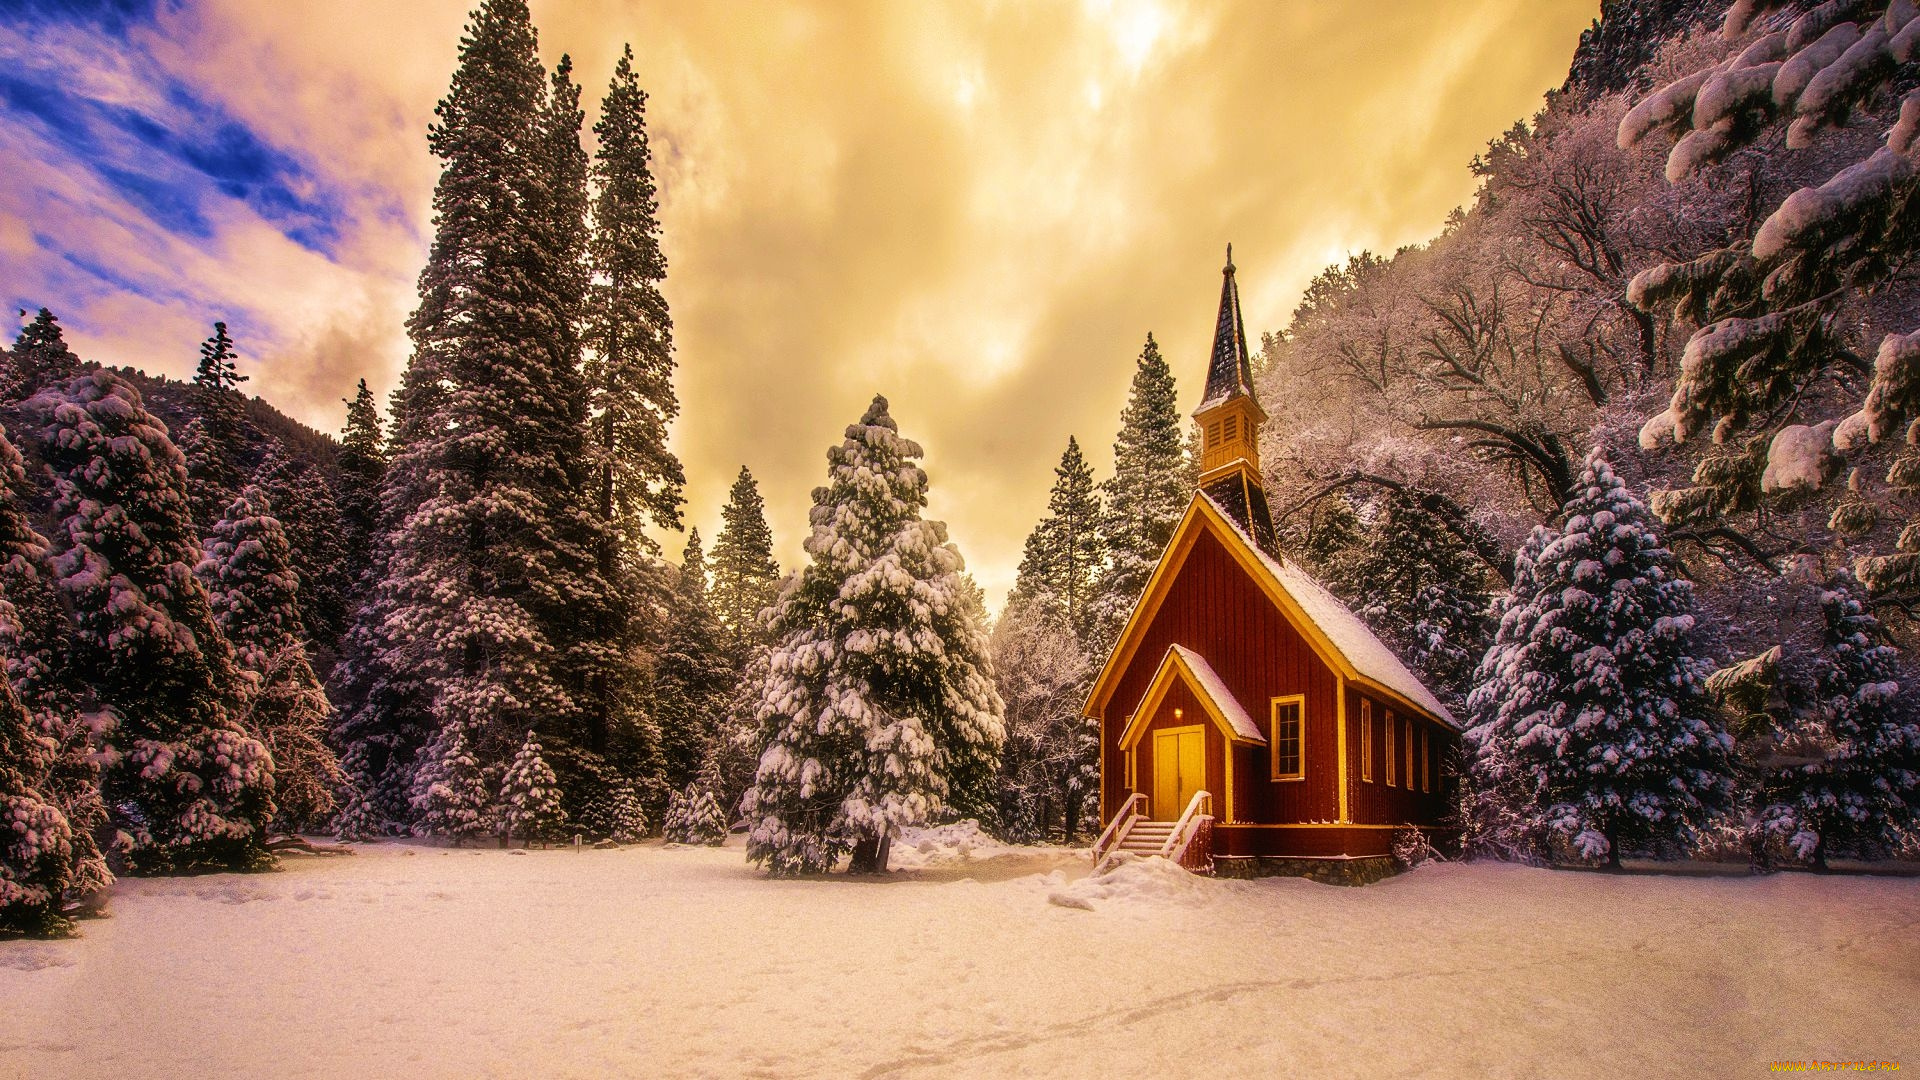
1222, 698
1343, 629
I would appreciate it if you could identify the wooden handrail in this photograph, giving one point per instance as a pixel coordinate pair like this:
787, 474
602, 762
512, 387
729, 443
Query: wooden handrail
1117, 830
1199, 809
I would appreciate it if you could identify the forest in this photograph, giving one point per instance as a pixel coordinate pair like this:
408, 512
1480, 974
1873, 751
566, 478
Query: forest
1625, 463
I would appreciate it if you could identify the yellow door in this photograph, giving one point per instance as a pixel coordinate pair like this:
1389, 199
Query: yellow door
1179, 770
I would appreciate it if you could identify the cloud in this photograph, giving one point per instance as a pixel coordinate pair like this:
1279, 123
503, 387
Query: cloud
979, 210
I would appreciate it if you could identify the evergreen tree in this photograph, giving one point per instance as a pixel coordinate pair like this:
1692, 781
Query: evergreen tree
303, 503
1335, 539
629, 370
1063, 554
36, 840
1148, 493
254, 593
530, 797
45, 677
692, 679
1589, 700
188, 787
210, 476
745, 577
878, 708
217, 437
40, 359
1861, 793
1420, 587
362, 464
492, 599
450, 788
616, 815
694, 817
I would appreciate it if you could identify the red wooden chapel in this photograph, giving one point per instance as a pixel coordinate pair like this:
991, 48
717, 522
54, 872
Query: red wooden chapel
1241, 691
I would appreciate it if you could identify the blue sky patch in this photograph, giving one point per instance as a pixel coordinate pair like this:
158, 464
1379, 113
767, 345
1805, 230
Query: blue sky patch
173, 154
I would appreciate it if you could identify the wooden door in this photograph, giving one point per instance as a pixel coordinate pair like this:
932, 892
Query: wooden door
1179, 770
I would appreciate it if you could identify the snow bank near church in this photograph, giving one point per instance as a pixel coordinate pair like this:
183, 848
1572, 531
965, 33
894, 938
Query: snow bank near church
1152, 880
944, 845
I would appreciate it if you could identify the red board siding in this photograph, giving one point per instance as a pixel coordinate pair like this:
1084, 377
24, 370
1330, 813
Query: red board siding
1377, 802
1216, 610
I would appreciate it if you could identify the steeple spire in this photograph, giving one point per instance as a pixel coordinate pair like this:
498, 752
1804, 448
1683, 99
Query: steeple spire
1230, 418
1229, 370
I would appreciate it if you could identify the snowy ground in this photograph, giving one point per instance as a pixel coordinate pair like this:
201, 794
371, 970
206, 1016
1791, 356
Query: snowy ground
419, 961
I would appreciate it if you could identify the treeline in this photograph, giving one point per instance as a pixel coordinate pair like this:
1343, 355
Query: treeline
1699, 266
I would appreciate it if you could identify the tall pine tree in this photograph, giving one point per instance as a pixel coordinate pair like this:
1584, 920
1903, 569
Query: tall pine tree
1589, 707
1419, 587
255, 595
878, 708
1149, 490
692, 678
746, 579
188, 787
491, 595
1065, 552
214, 439
40, 359
362, 464
629, 370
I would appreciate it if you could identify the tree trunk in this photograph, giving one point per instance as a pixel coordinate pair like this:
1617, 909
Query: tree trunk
870, 854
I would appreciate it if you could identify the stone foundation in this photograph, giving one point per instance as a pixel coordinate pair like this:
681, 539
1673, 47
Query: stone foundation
1364, 870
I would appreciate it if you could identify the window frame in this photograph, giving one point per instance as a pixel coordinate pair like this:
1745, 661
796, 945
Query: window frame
1391, 723
1366, 741
1426, 783
1299, 701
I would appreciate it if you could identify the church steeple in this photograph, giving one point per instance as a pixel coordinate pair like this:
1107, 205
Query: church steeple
1230, 418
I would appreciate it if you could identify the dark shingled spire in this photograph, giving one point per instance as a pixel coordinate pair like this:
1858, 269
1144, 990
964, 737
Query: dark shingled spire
1229, 371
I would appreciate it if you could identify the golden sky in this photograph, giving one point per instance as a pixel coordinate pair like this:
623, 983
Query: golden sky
978, 209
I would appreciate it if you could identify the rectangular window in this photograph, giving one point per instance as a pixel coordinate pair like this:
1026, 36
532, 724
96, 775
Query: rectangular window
1391, 759
1426, 761
1366, 740
1410, 755
1288, 737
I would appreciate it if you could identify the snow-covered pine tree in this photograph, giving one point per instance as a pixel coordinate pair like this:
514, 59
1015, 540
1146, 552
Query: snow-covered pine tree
746, 579
1861, 795
302, 502
189, 788
491, 580
1065, 552
36, 840
362, 464
692, 679
452, 790
254, 592
37, 648
1589, 700
616, 815
878, 707
1149, 490
1335, 538
217, 433
384, 703
40, 358
694, 816
629, 368
530, 797
1418, 585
